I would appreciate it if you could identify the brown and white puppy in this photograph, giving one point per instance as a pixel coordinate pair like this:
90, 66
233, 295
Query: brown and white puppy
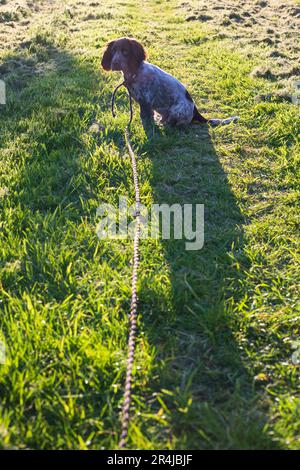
155, 90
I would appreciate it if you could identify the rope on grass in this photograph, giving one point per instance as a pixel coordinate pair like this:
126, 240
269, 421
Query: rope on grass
125, 413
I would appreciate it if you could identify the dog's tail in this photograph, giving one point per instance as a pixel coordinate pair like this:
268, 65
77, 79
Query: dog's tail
213, 122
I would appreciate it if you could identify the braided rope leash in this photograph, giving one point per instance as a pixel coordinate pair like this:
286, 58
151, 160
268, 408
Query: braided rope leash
125, 415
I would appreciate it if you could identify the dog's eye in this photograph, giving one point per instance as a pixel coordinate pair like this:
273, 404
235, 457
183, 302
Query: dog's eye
125, 52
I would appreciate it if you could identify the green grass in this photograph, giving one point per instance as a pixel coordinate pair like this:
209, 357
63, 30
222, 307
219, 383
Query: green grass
217, 327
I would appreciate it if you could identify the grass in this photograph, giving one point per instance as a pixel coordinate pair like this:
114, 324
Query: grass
217, 327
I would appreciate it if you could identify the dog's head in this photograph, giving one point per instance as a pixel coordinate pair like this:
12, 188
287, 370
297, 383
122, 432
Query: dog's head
123, 54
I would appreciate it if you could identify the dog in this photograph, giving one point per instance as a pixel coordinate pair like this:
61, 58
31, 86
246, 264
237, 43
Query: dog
161, 96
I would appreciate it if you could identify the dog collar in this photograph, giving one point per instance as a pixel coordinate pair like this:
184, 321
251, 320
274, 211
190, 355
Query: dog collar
130, 79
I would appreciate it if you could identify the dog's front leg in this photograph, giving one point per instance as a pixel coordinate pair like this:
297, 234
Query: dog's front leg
146, 114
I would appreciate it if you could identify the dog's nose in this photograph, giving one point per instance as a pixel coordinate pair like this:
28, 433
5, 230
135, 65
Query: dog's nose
116, 64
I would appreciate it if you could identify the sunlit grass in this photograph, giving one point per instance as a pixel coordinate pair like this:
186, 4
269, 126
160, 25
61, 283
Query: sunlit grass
217, 327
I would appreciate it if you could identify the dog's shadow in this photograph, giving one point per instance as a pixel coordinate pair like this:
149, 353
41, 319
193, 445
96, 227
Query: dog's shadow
206, 393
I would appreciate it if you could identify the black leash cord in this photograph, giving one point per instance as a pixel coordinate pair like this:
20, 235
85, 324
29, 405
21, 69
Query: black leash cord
130, 104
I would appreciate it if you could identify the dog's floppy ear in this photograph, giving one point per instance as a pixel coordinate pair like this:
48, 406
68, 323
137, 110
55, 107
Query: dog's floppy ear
138, 52
107, 56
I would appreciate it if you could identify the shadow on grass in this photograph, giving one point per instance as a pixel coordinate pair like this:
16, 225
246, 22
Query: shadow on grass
50, 104
203, 387
52, 99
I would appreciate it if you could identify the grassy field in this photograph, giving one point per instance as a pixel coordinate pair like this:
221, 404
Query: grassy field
217, 327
